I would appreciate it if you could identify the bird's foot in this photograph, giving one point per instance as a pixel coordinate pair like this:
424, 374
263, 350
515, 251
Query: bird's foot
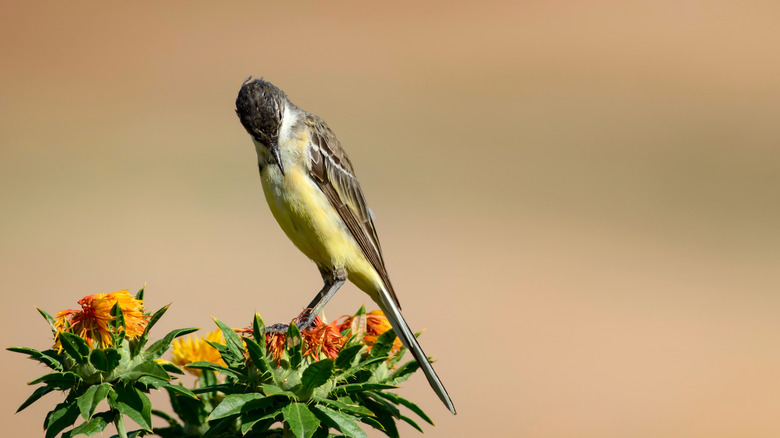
303, 321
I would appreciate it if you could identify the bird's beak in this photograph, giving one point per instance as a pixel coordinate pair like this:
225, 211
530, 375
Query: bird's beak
278, 156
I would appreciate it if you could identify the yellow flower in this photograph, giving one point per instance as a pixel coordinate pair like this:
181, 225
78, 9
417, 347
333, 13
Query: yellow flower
195, 348
91, 323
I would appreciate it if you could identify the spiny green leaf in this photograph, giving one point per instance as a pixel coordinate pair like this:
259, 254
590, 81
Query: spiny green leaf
359, 387
152, 321
140, 294
74, 346
63, 415
382, 416
38, 393
133, 403
295, 344
105, 360
233, 343
49, 319
275, 390
232, 404
258, 330
345, 357
158, 348
395, 398
118, 324
300, 419
403, 372
171, 368
147, 368
178, 389
47, 357
58, 380
249, 419
88, 401
411, 422
203, 365
349, 408
257, 354
215, 429
383, 345
97, 424
343, 422
317, 374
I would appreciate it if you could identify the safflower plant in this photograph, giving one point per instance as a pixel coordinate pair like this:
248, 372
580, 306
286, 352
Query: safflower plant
324, 381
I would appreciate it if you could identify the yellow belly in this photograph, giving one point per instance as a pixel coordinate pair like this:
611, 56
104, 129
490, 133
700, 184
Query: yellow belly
314, 226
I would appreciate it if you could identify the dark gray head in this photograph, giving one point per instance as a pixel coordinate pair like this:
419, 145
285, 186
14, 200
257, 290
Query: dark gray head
260, 106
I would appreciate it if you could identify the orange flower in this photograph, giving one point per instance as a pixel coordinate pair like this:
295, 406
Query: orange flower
195, 348
91, 323
371, 325
322, 338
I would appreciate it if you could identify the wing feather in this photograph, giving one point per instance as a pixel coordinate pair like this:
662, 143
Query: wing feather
333, 172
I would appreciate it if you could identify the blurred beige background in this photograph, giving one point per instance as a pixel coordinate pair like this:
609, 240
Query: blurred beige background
578, 200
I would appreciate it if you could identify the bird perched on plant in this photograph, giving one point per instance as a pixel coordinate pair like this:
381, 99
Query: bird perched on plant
313, 193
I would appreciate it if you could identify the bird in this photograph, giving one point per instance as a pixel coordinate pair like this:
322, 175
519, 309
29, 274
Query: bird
314, 195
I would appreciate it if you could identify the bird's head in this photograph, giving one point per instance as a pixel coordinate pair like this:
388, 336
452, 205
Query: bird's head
260, 106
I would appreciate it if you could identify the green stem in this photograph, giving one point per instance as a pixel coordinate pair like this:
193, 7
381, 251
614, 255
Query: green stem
120, 425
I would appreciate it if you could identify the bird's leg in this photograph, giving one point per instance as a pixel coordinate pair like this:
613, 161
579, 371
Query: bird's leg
333, 279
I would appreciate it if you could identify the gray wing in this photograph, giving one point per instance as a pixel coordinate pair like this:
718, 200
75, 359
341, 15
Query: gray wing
332, 170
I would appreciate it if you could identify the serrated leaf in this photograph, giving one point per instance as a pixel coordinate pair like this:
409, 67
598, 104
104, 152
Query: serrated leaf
133, 403
345, 423
97, 424
249, 419
294, 345
359, 387
49, 360
300, 419
382, 416
178, 389
232, 341
58, 380
347, 355
349, 408
74, 346
317, 374
403, 372
232, 404
152, 321
88, 401
395, 398
161, 346
140, 294
411, 422
203, 365
63, 415
38, 393
49, 319
147, 368
105, 360
257, 355
383, 344
118, 323
258, 330
171, 368
275, 390
215, 429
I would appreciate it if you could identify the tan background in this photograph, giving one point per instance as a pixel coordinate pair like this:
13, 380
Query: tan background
578, 200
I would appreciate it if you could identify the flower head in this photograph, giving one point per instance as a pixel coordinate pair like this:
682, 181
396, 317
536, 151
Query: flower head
196, 348
370, 325
91, 323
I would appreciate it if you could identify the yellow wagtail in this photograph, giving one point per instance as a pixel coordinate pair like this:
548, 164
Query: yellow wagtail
313, 193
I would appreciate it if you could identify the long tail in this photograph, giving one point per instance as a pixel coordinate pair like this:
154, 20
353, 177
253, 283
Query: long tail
404, 333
